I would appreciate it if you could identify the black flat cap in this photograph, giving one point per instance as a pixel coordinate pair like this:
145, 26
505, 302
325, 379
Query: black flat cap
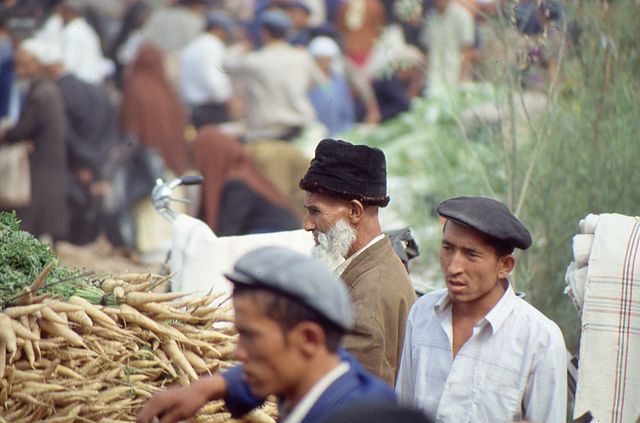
302, 278
489, 217
348, 171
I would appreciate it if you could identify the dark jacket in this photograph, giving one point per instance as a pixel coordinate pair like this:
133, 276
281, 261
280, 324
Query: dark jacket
92, 132
43, 121
382, 295
352, 387
92, 129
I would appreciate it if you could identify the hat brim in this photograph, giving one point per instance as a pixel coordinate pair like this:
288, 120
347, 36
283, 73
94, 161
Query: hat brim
239, 278
316, 187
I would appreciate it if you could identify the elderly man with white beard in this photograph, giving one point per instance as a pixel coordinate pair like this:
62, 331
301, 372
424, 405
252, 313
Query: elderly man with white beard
345, 186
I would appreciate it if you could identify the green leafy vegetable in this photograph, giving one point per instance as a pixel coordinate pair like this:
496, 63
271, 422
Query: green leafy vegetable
22, 259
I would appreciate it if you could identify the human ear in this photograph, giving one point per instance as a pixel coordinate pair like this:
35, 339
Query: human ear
505, 265
356, 211
308, 337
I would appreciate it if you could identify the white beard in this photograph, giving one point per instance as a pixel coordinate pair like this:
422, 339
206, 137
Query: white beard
334, 245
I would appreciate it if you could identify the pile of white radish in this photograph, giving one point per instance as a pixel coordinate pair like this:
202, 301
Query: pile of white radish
72, 361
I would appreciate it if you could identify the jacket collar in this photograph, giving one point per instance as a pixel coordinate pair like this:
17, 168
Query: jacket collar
373, 255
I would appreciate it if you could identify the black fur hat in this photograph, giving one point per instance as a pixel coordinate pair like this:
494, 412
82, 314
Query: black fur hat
348, 171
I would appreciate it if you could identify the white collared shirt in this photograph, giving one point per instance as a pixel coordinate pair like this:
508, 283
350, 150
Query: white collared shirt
276, 81
343, 266
202, 76
512, 367
303, 407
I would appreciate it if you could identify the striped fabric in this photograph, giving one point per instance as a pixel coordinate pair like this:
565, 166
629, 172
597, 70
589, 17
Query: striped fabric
609, 368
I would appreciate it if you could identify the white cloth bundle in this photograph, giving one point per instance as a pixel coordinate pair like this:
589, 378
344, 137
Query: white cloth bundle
609, 368
199, 258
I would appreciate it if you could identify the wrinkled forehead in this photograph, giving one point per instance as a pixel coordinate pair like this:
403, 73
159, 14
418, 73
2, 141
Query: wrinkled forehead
326, 201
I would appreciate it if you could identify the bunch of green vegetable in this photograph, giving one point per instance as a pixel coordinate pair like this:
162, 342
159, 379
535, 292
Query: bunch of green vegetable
22, 260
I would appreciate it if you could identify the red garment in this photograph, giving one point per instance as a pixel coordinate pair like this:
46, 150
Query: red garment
220, 158
360, 32
152, 111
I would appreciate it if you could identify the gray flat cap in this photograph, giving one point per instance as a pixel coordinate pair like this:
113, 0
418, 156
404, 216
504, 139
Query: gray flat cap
489, 217
302, 278
275, 19
222, 20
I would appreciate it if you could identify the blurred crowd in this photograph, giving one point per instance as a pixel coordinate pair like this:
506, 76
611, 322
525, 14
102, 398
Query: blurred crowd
108, 95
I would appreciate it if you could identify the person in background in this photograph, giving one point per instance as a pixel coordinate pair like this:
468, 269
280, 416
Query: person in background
475, 351
52, 29
283, 164
275, 81
543, 23
151, 109
42, 123
125, 45
448, 35
359, 22
206, 88
290, 314
300, 15
399, 81
345, 186
92, 132
171, 28
81, 49
237, 198
6, 69
331, 100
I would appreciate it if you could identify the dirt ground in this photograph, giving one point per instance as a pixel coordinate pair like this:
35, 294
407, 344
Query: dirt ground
101, 257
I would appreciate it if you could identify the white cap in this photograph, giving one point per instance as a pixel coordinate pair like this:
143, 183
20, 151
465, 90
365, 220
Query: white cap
324, 46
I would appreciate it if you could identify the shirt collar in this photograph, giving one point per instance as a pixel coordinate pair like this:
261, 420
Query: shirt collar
495, 317
299, 412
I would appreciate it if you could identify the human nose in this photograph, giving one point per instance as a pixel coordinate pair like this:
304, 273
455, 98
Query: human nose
455, 265
309, 224
240, 354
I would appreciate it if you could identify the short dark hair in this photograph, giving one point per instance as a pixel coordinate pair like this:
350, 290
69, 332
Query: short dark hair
275, 32
288, 313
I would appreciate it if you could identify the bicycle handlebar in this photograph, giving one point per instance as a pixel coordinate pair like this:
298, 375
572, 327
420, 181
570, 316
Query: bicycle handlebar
191, 180
161, 194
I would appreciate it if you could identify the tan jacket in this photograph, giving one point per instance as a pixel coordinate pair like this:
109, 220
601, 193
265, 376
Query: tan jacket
382, 294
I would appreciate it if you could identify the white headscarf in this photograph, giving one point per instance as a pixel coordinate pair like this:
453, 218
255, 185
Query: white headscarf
324, 46
46, 53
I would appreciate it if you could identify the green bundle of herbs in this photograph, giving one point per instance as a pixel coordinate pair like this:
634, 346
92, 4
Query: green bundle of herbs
23, 258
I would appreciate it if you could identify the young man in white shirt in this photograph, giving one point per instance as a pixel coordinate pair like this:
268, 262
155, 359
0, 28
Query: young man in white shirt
475, 351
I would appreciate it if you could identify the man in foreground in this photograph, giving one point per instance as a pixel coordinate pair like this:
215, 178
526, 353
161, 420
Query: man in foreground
475, 351
345, 186
290, 313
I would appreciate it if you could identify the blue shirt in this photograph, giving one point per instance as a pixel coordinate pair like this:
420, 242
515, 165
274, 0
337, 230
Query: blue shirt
352, 387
